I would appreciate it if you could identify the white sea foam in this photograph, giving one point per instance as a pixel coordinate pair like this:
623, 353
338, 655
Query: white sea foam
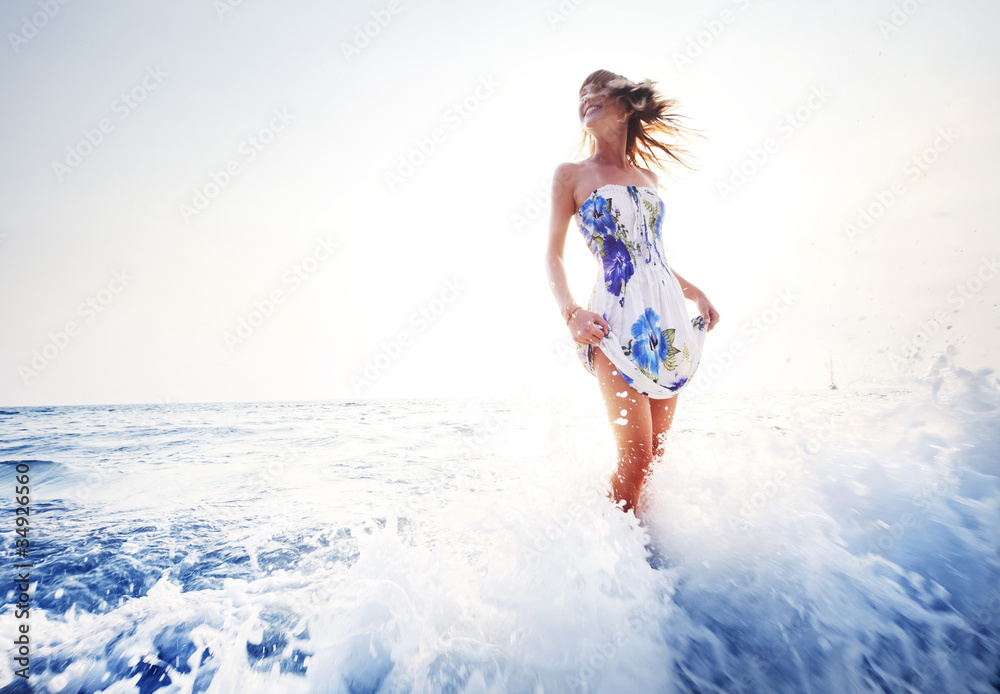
809, 542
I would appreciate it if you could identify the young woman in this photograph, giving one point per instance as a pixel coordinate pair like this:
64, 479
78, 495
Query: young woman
635, 334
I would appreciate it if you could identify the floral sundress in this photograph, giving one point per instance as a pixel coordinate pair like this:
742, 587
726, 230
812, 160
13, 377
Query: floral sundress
652, 341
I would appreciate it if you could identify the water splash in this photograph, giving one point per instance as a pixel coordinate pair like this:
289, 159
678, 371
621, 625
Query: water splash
812, 542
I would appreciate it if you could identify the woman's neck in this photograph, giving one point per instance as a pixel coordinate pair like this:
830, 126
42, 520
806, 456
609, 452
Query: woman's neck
611, 153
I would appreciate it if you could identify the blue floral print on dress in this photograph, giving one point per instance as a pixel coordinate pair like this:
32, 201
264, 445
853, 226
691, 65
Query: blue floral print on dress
652, 342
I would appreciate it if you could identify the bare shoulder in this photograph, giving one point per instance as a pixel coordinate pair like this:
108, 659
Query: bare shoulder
564, 184
651, 178
565, 176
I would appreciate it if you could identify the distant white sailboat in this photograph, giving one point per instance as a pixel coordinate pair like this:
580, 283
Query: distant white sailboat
833, 385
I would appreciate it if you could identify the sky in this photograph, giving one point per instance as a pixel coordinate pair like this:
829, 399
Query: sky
223, 200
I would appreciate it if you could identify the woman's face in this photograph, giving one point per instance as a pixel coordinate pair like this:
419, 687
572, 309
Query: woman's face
596, 105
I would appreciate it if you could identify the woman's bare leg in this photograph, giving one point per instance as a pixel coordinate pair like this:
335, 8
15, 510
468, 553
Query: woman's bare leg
641, 438
662, 415
632, 424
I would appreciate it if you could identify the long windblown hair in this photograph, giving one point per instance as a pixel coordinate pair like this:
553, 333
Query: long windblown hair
655, 129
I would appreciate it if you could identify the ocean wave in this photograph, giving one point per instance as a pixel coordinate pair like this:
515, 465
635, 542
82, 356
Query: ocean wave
814, 542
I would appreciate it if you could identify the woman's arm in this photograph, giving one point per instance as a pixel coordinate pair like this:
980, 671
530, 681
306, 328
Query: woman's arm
690, 291
562, 212
705, 307
585, 326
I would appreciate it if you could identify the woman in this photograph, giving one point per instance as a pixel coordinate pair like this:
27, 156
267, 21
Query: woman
635, 334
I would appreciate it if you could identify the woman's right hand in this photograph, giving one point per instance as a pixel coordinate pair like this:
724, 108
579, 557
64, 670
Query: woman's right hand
587, 327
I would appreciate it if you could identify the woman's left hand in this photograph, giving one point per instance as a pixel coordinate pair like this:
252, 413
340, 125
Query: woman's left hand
707, 311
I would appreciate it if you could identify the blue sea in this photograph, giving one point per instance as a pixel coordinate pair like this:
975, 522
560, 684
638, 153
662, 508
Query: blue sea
824, 542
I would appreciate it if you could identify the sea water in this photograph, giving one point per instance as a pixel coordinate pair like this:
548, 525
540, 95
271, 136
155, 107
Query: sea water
834, 541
